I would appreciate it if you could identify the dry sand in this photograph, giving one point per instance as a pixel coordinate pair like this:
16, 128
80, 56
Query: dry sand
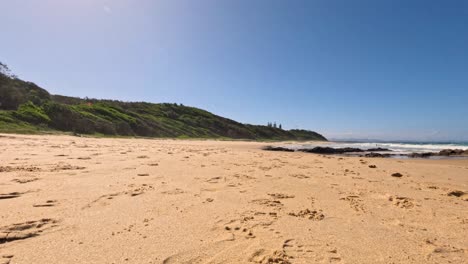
84, 200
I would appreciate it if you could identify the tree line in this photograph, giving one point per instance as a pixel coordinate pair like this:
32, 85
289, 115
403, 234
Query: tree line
270, 124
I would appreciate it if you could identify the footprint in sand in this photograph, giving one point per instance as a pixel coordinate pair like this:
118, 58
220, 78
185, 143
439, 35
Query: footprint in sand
215, 252
101, 198
66, 167
25, 180
402, 202
140, 190
237, 230
281, 196
6, 259
267, 202
269, 256
315, 215
174, 191
311, 251
132, 192
300, 176
264, 168
214, 180
10, 195
48, 203
243, 177
441, 253
293, 247
249, 221
19, 168
25, 230
298, 250
355, 202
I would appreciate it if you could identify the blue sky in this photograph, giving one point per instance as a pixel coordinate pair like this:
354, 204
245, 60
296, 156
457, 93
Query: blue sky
390, 69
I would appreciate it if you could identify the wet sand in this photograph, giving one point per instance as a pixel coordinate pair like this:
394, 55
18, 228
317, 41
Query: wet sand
67, 199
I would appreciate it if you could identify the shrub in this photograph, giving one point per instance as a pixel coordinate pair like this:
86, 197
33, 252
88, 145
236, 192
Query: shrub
31, 113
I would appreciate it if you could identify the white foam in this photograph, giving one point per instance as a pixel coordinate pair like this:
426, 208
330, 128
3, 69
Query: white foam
395, 147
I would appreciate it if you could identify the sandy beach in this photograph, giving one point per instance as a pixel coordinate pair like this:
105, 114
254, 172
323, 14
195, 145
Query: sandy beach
67, 199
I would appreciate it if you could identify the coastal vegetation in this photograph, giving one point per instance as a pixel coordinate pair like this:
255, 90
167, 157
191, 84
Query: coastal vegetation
28, 108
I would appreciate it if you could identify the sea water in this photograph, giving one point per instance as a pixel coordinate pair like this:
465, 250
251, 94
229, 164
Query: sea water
395, 147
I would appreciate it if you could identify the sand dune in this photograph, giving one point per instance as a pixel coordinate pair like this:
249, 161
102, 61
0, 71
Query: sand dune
85, 200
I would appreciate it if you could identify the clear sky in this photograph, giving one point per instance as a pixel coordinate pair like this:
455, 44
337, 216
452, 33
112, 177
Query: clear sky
386, 69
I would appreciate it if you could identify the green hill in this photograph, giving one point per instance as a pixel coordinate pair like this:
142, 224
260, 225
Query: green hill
27, 108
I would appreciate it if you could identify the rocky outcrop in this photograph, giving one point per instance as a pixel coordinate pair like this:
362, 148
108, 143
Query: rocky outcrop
373, 152
377, 155
379, 150
453, 152
328, 150
270, 148
421, 155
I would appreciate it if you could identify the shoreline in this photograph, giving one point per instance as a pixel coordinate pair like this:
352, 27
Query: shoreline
377, 152
60, 133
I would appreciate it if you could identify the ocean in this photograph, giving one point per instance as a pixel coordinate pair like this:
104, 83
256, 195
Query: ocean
396, 147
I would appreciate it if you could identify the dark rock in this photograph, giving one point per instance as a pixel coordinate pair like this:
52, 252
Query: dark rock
372, 166
397, 174
328, 150
453, 152
377, 155
421, 155
270, 148
378, 150
456, 193
373, 152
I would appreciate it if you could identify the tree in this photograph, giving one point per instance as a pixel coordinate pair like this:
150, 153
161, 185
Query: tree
4, 70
